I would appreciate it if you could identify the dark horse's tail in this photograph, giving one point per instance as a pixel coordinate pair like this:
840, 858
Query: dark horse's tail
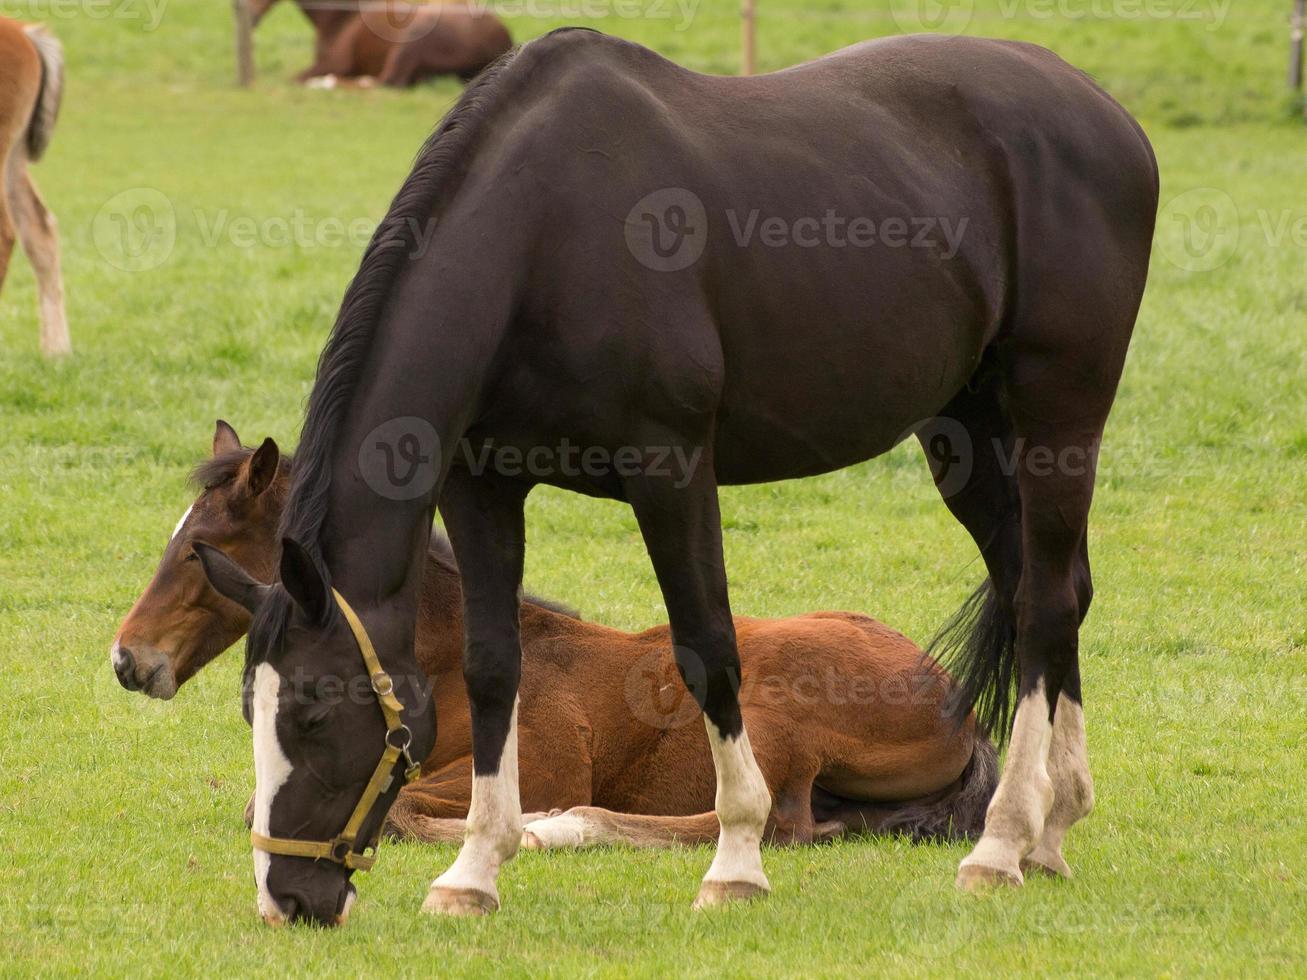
957, 813
978, 648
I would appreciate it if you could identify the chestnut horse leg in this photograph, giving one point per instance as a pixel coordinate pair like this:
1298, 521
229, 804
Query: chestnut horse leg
40, 237
588, 826
7, 237
791, 822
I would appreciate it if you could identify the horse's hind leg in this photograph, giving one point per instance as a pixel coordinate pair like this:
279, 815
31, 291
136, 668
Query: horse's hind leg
1058, 422
681, 526
970, 447
40, 236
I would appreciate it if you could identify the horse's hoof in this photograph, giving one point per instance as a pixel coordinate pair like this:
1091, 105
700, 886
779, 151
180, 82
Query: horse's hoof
714, 893
561, 830
459, 901
1047, 863
980, 878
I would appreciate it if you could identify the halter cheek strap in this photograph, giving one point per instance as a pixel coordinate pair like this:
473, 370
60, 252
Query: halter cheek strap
341, 848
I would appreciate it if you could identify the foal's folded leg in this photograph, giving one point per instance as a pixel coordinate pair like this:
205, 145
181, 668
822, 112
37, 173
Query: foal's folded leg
587, 826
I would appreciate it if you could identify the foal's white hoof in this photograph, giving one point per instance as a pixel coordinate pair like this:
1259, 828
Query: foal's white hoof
562, 830
715, 893
982, 878
459, 901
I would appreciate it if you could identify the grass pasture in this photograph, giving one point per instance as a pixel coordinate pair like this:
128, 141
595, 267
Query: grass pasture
243, 215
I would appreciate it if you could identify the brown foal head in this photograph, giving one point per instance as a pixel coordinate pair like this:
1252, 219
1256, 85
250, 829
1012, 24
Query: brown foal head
181, 622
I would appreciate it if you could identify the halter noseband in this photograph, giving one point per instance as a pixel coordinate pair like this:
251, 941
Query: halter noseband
398, 738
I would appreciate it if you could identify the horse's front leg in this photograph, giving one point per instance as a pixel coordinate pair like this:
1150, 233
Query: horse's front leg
681, 525
483, 516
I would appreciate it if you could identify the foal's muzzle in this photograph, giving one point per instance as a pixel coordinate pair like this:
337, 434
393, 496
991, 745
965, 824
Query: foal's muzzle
145, 670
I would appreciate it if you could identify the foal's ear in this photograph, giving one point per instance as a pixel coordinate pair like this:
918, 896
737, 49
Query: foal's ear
305, 580
262, 467
225, 439
228, 578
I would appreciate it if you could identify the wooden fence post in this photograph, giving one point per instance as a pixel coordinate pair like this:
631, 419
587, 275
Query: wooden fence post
244, 43
1297, 29
748, 36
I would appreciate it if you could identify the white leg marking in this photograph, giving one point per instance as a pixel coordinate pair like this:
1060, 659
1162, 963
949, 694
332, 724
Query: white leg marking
1023, 799
1073, 788
182, 522
271, 770
494, 831
743, 804
568, 829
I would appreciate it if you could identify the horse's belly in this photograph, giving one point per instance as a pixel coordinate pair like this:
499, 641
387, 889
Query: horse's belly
813, 399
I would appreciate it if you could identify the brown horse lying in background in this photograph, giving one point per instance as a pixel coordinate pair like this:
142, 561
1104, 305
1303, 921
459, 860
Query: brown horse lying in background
31, 88
397, 44
844, 713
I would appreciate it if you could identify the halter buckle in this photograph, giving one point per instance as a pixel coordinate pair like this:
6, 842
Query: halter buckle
382, 685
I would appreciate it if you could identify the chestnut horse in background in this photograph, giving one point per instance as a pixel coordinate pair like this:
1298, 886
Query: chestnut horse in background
31, 87
396, 44
846, 714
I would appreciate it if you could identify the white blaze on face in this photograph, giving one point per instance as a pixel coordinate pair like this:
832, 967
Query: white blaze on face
182, 522
271, 770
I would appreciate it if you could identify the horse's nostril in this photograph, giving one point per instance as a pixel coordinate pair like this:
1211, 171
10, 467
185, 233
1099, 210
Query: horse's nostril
124, 665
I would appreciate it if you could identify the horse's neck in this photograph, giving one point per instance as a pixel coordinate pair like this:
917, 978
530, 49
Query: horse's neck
329, 18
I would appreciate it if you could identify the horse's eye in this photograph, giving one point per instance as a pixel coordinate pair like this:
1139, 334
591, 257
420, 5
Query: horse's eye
192, 556
313, 717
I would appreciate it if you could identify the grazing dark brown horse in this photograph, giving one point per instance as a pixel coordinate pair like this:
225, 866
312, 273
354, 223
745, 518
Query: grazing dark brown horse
687, 281
394, 43
846, 713
31, 88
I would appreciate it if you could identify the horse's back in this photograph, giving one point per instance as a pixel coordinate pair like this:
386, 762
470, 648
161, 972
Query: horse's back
930, 172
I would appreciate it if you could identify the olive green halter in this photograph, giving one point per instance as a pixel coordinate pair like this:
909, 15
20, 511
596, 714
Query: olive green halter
398, 739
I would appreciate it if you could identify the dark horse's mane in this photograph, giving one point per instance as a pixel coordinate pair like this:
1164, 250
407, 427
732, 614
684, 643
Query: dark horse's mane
345, 354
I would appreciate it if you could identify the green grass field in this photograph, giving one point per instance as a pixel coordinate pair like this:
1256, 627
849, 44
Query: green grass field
122, 848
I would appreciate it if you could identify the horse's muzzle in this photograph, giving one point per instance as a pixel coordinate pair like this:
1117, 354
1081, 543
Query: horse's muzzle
150, 673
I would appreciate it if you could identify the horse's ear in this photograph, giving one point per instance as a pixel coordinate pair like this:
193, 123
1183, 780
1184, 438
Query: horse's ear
262, 467
225, 439
305, 580
228, 578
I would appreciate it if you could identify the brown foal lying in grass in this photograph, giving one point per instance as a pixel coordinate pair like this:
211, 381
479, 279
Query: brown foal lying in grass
846, 716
